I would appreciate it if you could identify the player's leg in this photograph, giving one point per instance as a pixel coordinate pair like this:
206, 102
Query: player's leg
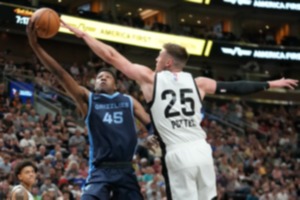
96, 191
206, 179
127, 187
183, 184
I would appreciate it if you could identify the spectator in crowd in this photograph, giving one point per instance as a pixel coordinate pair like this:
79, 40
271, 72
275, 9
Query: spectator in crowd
48, 186
77, 140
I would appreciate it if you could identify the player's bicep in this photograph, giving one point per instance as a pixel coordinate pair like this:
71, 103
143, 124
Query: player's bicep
206, 86
133, 71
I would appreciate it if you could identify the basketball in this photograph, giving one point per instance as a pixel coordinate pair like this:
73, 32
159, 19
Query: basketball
46, 22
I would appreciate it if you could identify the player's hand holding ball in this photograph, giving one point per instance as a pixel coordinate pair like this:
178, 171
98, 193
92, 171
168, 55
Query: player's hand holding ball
45, 22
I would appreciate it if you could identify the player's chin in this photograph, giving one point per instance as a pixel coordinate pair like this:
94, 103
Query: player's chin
31, 181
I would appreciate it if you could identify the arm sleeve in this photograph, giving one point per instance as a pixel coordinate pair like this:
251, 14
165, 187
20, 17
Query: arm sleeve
241, 87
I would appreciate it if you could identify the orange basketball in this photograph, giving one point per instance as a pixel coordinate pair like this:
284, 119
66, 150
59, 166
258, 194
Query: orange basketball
46, 22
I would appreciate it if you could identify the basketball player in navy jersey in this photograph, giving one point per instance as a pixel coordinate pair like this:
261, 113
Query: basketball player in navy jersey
110, 120
175, 98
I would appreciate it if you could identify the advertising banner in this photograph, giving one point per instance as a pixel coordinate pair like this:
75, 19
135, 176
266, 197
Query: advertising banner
243, 51
24, 90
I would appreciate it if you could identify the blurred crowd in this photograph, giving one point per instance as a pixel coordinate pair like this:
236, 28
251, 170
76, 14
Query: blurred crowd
255, 146
207, 31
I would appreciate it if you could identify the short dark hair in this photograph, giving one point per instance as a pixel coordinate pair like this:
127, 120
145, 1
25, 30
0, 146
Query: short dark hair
22, 164
178, 52
109, 71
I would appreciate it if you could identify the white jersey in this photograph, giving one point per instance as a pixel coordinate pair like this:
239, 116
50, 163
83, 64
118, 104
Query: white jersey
176, 108
30, 197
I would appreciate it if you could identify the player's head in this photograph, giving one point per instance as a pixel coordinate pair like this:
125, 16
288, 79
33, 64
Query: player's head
25, 171
171, 56
106, 81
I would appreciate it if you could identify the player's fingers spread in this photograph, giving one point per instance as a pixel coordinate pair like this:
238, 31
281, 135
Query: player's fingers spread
290, 86
295, 82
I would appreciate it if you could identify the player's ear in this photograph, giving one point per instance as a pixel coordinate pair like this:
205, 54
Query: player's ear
169, 63
19, 177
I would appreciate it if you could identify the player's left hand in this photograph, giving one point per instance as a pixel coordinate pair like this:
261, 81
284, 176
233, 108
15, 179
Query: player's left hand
283, 82
151, 143
31, 33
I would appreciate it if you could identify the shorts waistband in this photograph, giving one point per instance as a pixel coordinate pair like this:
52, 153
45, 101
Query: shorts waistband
173, 147
114, 165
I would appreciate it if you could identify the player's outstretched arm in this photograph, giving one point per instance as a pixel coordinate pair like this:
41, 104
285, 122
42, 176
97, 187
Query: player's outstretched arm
78, 94
210, 86
283, 82
19, 194
110, 55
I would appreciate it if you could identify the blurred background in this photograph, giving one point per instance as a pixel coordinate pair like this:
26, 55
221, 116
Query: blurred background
255, 138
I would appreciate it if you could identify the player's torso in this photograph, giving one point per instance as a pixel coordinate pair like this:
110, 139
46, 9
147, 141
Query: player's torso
176, 108
111, 127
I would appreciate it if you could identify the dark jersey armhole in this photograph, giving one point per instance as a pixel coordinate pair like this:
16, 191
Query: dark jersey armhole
150, 103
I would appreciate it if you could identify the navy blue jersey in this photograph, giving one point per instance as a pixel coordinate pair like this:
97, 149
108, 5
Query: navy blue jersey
111, 127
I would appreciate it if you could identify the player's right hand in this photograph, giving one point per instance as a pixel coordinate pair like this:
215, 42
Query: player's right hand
76, 31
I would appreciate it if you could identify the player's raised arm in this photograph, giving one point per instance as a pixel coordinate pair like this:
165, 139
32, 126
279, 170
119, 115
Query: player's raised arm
210, 86
110, 55
78, 94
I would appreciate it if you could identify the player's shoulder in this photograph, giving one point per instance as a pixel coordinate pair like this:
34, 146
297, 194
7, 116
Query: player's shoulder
19, 193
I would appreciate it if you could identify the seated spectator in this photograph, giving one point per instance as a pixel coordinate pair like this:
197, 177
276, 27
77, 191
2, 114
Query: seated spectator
40, 153
49, 188
72, 170
77, 140
45, 166
39, 137
5, 165
27, 141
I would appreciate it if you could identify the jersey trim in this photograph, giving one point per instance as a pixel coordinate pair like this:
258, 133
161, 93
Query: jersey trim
150, 103
91, 152
110, 96
132, 110
199, 96
163, 159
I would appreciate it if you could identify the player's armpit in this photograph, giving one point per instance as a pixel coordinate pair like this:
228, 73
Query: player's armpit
19, 194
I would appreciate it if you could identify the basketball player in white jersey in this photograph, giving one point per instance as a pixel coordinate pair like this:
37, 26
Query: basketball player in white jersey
175, 99
25, 172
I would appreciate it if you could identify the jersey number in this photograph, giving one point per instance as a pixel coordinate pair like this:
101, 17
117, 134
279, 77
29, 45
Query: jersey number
115, 117
183, 100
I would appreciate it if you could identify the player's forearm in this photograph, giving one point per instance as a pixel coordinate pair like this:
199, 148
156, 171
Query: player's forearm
241, 87
48, 61
101, 49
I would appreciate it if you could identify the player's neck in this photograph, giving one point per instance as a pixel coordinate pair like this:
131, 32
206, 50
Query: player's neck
26, 186
175, 69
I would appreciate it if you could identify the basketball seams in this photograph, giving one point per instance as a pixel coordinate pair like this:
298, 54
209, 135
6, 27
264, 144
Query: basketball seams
47, 22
